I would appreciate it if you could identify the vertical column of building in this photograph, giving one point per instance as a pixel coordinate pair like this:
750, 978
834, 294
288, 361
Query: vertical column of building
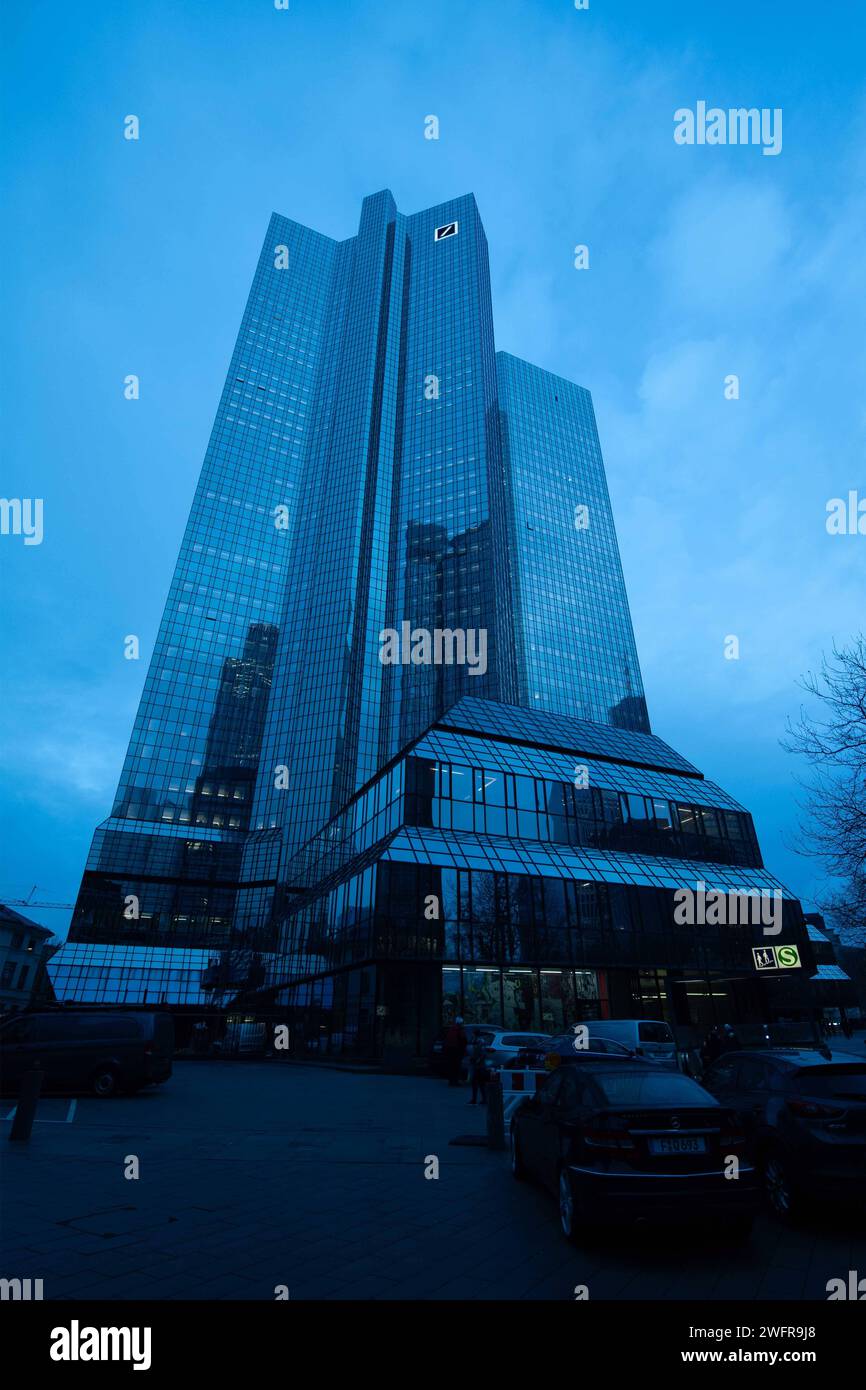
443, 560
363, 749
174, 839
273, 807
576, 651
333, 556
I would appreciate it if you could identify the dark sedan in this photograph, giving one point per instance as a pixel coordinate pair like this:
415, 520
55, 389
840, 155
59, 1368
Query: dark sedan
804, 1111
621, 1141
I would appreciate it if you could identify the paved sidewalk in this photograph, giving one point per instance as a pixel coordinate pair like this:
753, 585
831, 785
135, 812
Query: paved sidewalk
258, 1174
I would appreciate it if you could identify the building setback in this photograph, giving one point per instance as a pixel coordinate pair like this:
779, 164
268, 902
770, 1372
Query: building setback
377, 468
521, 869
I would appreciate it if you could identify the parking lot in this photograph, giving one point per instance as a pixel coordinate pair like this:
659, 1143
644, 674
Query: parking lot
259, 1174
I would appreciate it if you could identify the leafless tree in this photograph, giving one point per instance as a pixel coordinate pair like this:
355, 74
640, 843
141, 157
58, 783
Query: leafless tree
831, 736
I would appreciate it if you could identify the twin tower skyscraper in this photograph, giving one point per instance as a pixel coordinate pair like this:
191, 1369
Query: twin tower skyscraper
375, 466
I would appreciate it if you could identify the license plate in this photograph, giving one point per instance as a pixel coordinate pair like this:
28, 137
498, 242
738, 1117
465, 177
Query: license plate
678, 1144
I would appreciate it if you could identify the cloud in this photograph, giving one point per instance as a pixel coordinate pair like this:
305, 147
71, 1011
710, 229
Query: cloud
724, 246
70, 743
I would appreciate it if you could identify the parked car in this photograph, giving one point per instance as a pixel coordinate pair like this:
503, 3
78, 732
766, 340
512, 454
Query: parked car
621, 1141
501, 1045
536, 1054
648, 1037
804, 1111
103, 1052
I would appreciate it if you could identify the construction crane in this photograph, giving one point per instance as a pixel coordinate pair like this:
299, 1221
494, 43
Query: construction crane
29, 901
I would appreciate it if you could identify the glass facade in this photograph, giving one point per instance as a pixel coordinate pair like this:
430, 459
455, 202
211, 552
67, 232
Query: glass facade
374, 463
396, 650
519, 899
401, 518
650, 801
449, 796
131, 975
165, 865
576, 651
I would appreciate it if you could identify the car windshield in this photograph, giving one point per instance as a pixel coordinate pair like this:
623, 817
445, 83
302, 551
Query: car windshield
650, 1088
842, 1081
655, 1033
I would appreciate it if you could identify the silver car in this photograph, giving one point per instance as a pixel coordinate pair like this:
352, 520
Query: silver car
502, 1046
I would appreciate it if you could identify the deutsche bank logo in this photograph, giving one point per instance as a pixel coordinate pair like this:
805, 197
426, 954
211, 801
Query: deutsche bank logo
450, 229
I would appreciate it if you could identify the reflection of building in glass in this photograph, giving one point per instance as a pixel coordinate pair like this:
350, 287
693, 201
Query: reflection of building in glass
375, 461
168, 887
223, 792
630, 713
441, 594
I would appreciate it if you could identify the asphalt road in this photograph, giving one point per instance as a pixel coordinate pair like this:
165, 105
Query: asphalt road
254, 1175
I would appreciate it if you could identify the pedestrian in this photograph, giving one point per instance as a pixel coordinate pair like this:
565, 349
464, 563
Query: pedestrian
712, 1047
453, 1051
730, 1041
478, 1068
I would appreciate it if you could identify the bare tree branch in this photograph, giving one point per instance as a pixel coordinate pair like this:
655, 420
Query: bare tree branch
833, 809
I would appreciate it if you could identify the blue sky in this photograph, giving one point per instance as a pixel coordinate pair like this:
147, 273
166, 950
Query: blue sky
136, 257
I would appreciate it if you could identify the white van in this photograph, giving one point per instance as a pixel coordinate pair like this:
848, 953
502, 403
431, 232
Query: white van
649, 1038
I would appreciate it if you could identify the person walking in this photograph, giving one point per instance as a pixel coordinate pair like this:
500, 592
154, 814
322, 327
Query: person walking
478, 1069
453, 1051
712, 1047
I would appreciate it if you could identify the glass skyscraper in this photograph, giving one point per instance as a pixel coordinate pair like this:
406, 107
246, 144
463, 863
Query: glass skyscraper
393, 521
